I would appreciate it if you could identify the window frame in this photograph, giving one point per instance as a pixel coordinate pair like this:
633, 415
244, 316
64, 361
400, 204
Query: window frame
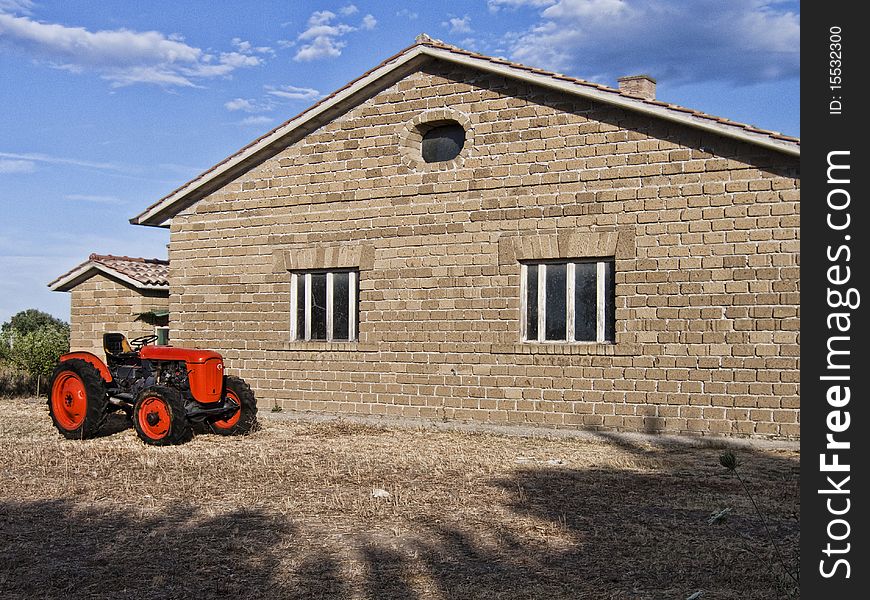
157, 331
353, 305
600, 300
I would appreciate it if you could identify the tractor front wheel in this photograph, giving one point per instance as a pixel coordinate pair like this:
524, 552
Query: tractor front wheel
159, 417
77, 401
244, 419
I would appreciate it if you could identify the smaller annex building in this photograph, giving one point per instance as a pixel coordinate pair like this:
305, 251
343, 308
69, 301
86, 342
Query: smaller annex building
115, 293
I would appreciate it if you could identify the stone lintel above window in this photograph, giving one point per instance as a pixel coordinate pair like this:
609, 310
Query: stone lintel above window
595, 243
349, 256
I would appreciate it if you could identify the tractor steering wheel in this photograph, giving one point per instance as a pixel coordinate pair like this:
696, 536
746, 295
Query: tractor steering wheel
138, 342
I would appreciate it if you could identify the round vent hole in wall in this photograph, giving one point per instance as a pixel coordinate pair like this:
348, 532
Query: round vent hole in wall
442, 141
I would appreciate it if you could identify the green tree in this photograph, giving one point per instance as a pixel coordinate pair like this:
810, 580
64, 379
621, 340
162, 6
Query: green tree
30, 320
37, 352
31, 341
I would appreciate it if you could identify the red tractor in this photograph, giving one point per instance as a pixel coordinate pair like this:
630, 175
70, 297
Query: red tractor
164, 390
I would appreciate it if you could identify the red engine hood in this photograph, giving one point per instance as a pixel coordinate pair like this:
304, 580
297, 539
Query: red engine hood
188, 355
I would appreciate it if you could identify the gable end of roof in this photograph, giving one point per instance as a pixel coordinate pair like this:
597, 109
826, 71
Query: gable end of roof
399, 65
146, 274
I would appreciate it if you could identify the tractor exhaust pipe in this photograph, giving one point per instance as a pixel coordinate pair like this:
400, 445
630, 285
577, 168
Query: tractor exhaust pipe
122, 400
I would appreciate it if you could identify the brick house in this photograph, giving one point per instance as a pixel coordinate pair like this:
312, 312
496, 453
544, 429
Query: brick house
453, 236
109, 293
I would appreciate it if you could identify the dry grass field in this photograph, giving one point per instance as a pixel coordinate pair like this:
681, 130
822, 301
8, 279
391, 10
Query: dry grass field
288, 512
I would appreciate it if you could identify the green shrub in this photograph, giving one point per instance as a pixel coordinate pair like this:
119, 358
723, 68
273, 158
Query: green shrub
36, 352
15, 383
30, 344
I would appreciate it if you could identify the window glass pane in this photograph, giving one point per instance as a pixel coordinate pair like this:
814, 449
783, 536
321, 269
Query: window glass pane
340, 308
532, 302
443, 143
585, 302
356, 307
318, 306
556, 294
300, 306
609, 302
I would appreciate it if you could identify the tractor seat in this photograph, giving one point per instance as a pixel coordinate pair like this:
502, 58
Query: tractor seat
118, 350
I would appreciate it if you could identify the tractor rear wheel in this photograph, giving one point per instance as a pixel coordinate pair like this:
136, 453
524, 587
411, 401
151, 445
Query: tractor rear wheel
159, 417
244, 419
77, 400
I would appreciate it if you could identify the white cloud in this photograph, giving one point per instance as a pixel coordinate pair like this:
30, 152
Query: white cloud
348, 10
246, 47
458, 25
255, 121
111, 200
291, 92
80, 46
242, 45
320, 17
240, 104
586, 9
320, 31
410, 15
322, 38
124, 171
275, 97
227, 63
16, 166
16, 6
740, 41
35, 158
496, 5
134, 75
122, 56
322, 47
469, 44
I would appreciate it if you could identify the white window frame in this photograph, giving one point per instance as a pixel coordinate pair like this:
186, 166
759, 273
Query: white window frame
305, 335
159, 328
600, 301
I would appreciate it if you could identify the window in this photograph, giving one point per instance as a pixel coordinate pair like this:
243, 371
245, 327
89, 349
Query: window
570, 301
443, 142
324, 305
162, 333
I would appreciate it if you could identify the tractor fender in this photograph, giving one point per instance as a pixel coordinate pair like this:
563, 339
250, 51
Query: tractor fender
93, 359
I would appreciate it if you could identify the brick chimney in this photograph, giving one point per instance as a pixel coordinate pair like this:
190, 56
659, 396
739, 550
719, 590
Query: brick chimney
639, 86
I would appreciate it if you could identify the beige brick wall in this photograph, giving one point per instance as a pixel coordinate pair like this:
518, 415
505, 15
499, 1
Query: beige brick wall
704, 230
101, 304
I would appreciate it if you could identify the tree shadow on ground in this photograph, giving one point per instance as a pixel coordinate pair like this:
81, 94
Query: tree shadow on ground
58, 549
559, 532
631, 534
634, 542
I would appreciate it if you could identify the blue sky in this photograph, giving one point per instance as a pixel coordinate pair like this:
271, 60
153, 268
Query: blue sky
109, 106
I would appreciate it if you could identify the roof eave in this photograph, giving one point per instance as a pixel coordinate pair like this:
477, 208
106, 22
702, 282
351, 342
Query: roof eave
67, 282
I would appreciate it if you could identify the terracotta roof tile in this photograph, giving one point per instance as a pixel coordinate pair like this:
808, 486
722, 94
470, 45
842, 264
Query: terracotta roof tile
150, 273
147, 271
